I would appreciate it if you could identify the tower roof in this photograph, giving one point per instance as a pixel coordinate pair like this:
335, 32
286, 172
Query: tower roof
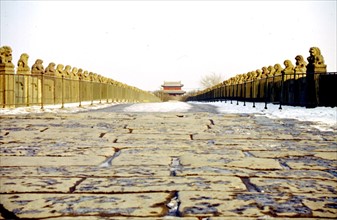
172, 83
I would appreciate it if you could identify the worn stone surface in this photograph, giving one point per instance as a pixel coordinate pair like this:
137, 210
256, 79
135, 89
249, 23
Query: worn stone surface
192, 166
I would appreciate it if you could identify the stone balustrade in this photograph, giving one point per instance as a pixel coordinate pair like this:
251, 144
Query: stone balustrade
59, 84
303, 84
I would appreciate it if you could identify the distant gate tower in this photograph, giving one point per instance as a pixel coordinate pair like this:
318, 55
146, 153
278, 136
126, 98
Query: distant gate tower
173, 88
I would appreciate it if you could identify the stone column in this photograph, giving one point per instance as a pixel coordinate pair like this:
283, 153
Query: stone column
36, 82
58, 92
7, 78
315, 67
67, 84
48, 96
74, 85
23, 81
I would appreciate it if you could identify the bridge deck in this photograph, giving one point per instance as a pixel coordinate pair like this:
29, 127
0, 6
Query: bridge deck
195, 165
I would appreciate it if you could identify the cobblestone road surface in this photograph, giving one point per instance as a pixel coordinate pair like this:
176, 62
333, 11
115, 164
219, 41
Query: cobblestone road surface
109, 164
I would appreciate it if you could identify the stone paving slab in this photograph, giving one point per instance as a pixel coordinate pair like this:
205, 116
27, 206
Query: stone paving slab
282, 174
295, 185
42, 184
51, 161
110, 165
53, 205
161, 184
257, 204
159, 171
85, 171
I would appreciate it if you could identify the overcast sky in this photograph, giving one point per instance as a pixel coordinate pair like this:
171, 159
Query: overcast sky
143, 43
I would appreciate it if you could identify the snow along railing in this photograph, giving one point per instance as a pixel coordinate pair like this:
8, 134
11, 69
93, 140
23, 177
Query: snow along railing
305, 84
60, 85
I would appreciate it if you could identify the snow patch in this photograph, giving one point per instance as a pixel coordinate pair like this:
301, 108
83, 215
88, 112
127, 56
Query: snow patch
322, 116
159, 107
325, 118
68, 108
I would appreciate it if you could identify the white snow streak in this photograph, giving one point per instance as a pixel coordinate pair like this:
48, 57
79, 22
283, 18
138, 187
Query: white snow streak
159, 107
321, 115
68, 108
325, 117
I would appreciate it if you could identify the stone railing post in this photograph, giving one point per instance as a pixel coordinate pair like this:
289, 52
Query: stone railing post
7, 78
62, 92
266, 93
281, 91
315, 67
42, 90
7, 85
23, 81
244, 92
92, 91
80, 91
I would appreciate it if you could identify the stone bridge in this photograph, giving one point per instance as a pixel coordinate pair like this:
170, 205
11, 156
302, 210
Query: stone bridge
118, 163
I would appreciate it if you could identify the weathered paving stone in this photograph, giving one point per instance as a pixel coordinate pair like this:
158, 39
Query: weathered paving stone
85, 171
295, 185
217, 203
47, 185
208, 158
256, 163
322, 205
328, 155
255, 205
279, 154
54, 205
148, 184
51, 161
230, 171
193, 166
312, 163
294, 174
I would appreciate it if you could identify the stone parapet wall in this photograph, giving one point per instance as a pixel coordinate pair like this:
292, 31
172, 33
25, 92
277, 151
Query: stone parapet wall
25, 86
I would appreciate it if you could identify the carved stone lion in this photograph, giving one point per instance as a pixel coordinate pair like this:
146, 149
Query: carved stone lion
50, 70
67, 71
37, 68
265, 72
289, 67
80, 73
74, 73
23, 63
271, 70
301, 65
278, 69
6, 56
316, 59
59, 70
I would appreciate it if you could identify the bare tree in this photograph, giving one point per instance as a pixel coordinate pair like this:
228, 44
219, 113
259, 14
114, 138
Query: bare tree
210, 80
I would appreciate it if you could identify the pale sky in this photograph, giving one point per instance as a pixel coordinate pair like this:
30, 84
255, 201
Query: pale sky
144, 43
